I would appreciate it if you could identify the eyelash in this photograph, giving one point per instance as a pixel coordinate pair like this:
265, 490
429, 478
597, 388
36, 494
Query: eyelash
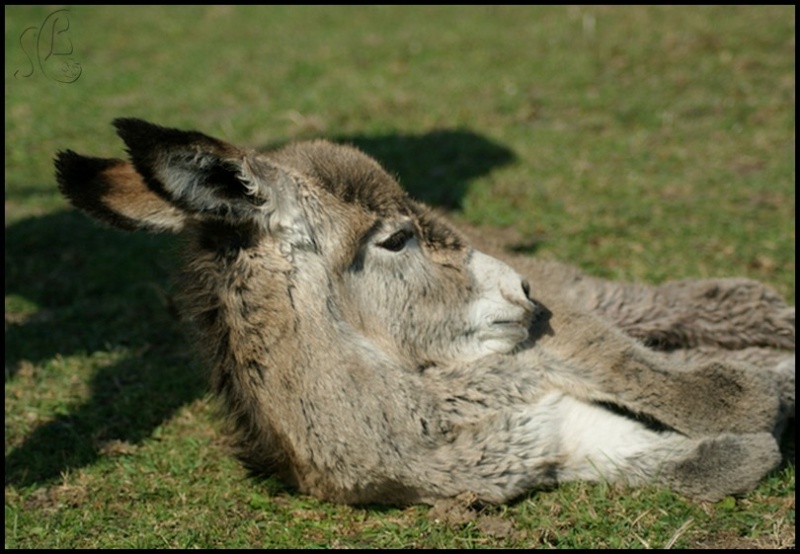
397, 241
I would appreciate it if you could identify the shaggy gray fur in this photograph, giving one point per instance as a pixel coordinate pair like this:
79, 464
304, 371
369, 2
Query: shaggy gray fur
366, 352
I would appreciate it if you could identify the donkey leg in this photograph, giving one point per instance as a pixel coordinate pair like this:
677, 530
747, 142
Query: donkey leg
603, 446
727, 313
584, 357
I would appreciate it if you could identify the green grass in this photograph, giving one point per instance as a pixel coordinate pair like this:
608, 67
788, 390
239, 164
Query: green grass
639, 143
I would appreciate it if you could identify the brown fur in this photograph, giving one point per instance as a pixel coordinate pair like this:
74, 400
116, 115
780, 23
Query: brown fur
365, 352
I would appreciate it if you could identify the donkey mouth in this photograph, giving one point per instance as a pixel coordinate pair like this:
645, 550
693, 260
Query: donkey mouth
508, 323
517, 318
514, 330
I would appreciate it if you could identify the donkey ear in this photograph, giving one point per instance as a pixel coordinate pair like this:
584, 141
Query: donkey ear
112, 191
199, 174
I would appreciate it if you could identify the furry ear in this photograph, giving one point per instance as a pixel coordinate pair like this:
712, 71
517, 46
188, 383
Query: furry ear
198, 173
112, 191
208, 178
174, 176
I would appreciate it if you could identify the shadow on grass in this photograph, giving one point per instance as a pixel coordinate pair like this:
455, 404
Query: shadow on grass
98, 291
92, 290
435, 167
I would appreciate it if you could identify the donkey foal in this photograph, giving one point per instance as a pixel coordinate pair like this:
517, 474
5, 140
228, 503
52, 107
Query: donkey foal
365, 352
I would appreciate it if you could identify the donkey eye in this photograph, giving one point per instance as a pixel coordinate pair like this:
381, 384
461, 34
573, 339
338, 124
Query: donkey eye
397, 241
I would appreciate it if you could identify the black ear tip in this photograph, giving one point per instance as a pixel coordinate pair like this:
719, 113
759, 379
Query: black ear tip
63, 158
74, 170
131, 126
144, 139
68, 164
123, 121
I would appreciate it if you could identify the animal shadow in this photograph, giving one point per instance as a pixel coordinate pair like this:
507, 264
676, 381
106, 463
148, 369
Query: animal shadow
435, 167
98, 291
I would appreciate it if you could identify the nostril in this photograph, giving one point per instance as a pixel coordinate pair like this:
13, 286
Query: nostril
526, 288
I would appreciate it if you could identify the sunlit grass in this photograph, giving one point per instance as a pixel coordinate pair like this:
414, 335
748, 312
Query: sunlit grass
643, 143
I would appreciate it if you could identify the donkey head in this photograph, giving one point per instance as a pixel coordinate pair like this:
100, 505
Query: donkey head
352, 254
